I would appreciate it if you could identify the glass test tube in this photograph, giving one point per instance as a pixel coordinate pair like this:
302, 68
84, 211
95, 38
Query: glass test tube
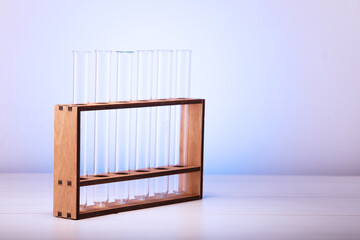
80, 95
125, 67
102, 122
143, 129
183, 77
163, 120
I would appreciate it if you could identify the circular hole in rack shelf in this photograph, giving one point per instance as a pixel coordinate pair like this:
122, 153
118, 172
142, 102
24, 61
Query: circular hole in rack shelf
142, 170
161, 168
179, 166
101, 175
121, 173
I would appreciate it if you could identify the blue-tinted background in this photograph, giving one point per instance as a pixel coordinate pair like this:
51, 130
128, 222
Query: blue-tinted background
281, 79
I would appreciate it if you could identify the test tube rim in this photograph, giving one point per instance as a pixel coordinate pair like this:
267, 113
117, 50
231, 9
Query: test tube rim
81, 52
103, 51
165, 50
145, 51
127, 51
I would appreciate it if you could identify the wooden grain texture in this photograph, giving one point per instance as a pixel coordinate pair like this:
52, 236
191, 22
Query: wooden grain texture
65, 163
194, 148
191, 150
134, 175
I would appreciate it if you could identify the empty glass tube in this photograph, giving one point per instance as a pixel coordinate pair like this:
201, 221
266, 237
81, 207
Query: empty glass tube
102, 122
123, 122
163, 120
143, 135
80, 95
183, 77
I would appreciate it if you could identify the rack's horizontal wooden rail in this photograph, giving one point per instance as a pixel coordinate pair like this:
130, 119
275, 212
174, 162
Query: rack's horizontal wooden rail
136, 204
133, 175
130, 104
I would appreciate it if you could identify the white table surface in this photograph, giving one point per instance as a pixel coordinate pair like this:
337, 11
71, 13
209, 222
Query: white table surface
234, 207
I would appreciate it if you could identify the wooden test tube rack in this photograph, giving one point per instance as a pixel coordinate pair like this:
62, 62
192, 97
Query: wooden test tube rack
67, 181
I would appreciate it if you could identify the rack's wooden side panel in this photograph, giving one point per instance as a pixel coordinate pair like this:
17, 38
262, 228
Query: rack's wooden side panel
193, 115
65, 163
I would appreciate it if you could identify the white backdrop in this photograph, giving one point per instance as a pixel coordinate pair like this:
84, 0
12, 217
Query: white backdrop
281, 79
